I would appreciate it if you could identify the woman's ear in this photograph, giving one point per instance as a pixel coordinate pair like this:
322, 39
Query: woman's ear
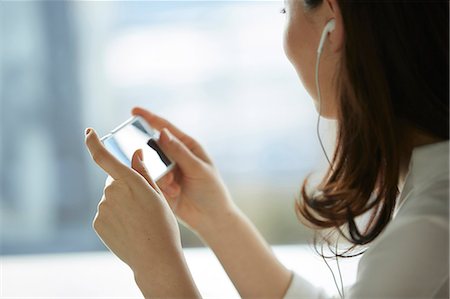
336, 37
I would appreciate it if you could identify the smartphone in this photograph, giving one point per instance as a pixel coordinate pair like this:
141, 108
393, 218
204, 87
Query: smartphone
136, 133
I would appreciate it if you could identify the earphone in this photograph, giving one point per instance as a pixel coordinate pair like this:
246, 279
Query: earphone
329, 27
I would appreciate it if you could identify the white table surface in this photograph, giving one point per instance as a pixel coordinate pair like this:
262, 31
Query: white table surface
102, 275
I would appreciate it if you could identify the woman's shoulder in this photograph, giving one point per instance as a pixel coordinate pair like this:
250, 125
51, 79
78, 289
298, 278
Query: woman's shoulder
425, 208
426, 190
410, 257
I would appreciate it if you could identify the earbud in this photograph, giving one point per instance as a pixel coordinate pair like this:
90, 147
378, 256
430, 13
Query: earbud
329, 27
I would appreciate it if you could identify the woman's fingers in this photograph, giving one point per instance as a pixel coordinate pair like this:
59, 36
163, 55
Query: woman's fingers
108, 181
137, 163
160, 123
166, 180
177, 150
173, 190
172, 194
104, 158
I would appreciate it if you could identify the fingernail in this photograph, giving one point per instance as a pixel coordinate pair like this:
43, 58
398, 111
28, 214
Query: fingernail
87, 131
140, 155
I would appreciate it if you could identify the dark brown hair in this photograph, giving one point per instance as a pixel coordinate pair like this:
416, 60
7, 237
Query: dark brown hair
393, 77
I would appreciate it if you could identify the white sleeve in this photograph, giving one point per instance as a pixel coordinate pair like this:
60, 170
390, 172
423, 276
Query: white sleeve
301, 288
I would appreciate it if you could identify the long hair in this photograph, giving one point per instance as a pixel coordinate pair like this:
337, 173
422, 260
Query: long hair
393, 76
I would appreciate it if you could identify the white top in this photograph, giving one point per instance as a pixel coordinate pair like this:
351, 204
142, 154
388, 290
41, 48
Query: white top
410, 258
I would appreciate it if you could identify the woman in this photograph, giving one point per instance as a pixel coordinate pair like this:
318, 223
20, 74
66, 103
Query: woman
384, 77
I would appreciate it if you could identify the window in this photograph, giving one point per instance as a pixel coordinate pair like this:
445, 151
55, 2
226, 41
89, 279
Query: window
216, 69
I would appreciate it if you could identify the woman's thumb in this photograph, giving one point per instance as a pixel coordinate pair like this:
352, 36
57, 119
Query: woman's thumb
137, 163
178, 151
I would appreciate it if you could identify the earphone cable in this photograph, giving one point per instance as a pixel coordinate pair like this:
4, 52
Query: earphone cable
339, 268
320, 109
332, 273
340, 291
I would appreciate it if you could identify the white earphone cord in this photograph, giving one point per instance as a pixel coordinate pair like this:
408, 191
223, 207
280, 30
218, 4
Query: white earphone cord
320, 108
340, 291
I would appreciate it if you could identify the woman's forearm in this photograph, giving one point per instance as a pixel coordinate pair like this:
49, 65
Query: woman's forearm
169, 277
246, 257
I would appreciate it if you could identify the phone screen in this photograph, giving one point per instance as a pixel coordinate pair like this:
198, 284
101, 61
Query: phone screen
136, 134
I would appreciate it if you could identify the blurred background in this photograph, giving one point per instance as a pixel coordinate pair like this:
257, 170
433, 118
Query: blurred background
216, 69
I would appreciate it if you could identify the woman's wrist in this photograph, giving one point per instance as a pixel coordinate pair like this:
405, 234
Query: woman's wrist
223, 221
166, 277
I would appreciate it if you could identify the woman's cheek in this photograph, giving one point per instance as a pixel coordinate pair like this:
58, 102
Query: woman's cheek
299, 55
293, 38
287, 42
304, 66
300, 47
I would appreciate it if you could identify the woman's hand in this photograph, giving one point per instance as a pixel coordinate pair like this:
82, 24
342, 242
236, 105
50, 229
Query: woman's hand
194, 189
135, 222
197, 195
